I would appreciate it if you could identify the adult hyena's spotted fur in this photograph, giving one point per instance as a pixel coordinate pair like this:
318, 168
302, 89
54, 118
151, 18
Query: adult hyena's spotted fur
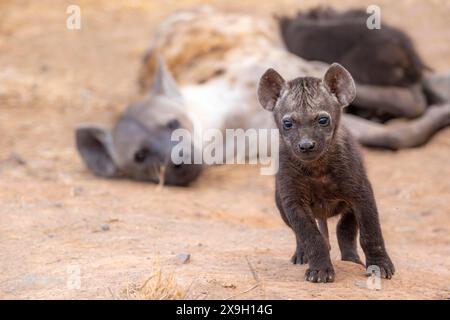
203, 44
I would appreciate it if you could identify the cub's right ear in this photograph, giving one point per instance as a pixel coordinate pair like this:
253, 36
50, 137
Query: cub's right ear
95, 147
269, 89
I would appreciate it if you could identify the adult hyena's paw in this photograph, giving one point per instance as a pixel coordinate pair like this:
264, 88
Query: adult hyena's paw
385, 264
320, 274
299, 258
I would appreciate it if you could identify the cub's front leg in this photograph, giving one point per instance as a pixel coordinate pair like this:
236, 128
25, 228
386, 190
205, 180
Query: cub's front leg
299, 256
314, 247
371, 237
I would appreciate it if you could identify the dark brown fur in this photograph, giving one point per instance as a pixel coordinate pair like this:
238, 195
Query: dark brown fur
326, 181
385, 57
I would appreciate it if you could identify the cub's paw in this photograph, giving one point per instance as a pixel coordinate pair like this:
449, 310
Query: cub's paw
299, 258
385, 264
320, 274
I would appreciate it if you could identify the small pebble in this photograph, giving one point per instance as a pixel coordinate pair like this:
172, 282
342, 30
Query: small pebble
17, 158
76, 191
183, 258
43, 68
105, 227
56, 204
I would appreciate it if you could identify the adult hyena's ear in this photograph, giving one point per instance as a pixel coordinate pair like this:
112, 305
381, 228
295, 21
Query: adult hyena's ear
95, 147
163, 82
269, 89
340, 83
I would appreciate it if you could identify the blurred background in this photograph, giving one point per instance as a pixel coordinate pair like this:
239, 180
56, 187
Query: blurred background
54, 213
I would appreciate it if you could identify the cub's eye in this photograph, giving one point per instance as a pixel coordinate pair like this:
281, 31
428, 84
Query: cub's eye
287, 124
324, 121
141, 155
173, 124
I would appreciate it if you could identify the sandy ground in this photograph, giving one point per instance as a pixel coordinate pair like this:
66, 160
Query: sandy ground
56, 218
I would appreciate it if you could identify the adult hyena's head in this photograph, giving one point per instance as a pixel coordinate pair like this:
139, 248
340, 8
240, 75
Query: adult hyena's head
139, 146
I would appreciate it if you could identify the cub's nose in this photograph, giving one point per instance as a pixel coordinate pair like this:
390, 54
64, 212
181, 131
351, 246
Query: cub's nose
306, 145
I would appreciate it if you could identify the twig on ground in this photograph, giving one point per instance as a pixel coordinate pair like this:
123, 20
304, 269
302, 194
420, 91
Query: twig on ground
245, 291
255, 276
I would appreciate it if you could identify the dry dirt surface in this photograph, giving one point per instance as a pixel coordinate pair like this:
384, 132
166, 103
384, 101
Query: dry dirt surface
58, 222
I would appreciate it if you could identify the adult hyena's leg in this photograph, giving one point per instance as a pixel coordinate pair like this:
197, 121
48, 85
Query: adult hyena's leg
408, 102
408, 134
438, 86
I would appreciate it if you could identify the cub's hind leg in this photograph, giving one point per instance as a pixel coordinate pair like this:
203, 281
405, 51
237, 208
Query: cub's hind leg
347, 231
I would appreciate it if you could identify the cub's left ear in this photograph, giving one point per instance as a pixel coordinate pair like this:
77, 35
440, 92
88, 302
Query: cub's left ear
340, 83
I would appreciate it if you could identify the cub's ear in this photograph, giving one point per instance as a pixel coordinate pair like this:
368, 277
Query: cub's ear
340, 83
94, 145
269, 89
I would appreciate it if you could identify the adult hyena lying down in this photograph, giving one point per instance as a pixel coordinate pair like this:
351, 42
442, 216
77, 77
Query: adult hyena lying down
216, 59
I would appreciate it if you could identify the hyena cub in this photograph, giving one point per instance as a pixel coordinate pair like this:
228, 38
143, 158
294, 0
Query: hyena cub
321, 172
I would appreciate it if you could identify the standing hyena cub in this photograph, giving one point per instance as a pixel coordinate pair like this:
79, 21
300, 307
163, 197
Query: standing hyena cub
321, 172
